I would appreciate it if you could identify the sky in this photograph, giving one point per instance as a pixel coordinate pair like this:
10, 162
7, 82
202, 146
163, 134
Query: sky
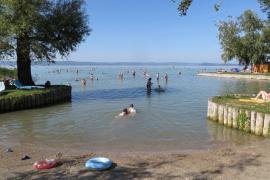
152, 30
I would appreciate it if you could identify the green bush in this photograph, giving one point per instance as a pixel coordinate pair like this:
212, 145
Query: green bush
5, 72
242, 121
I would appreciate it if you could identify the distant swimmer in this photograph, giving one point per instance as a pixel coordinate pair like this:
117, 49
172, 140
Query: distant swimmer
83, 81
131, 109
92, 77
124, 112
179, 73
159, 89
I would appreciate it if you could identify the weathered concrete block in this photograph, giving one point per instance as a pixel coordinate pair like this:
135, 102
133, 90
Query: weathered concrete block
259, 124
235, 116
221, 114
229, 124
253, 115
225, 117
266, 125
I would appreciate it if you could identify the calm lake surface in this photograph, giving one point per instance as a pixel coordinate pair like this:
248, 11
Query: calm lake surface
170, 121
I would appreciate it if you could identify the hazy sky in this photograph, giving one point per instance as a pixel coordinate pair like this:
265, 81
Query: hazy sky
152, 30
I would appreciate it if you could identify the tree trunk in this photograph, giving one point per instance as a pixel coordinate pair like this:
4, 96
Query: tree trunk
24, 61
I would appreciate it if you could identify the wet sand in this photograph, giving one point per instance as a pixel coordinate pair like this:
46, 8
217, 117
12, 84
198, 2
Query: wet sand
250, 161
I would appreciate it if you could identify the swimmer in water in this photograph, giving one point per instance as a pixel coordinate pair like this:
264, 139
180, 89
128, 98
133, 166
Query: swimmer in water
131, 109
92, 77
83, 81
159, 89
124, 112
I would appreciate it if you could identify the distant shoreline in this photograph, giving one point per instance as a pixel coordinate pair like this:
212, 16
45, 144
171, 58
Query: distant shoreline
124, 63
235, 76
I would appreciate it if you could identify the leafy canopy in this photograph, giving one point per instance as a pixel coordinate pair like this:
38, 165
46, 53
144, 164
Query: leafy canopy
245, 39
185, 4
48, 26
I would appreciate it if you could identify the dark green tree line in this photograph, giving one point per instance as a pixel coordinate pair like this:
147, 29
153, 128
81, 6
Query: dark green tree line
40, 30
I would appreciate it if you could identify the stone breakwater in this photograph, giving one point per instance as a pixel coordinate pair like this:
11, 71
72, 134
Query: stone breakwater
249, 121
53, 95
237, 76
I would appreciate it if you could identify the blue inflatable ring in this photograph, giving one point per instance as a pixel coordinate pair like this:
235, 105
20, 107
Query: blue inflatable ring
98, 163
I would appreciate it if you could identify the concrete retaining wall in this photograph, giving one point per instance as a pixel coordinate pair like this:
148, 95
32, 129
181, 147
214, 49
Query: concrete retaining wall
56, 94
245, 120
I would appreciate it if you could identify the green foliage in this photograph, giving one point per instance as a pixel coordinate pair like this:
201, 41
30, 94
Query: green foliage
241, 120
245, 39
47, 27
185, 4
265, 6
183, 7
5, 72
20, 93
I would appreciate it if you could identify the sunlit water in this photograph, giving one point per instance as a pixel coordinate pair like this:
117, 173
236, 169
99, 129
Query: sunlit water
169, 121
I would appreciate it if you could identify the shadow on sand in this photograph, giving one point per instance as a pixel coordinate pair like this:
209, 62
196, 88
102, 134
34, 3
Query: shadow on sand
164, 167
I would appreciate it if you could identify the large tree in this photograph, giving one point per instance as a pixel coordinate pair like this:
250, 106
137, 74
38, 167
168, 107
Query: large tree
185, 4
245, 39
40, 30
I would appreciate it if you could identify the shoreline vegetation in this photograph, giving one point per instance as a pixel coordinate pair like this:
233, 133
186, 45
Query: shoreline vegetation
237, 75
8, 73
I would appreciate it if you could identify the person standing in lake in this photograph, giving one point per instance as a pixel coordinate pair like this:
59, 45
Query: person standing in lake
134, 74
166, 77
149, 85
158, 76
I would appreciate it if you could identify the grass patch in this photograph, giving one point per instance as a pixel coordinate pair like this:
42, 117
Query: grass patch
18, 93
5, 72
243, 102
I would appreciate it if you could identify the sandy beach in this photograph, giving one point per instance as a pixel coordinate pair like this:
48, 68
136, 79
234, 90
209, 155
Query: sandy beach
228, 162
236, 76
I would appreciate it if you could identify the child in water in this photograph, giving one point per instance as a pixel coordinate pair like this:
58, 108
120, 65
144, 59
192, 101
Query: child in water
129, 110
124, 112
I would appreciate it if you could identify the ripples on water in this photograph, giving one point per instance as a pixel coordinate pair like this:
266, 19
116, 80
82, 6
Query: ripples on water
173, 120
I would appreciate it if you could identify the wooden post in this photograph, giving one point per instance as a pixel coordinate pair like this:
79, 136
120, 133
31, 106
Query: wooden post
209, 109
225, 115
235, 116
259, 124
215, 111
266, 125
253, 121
221, 114
229, 124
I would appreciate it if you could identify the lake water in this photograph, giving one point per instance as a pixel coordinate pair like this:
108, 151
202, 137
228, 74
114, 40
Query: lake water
170, 121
